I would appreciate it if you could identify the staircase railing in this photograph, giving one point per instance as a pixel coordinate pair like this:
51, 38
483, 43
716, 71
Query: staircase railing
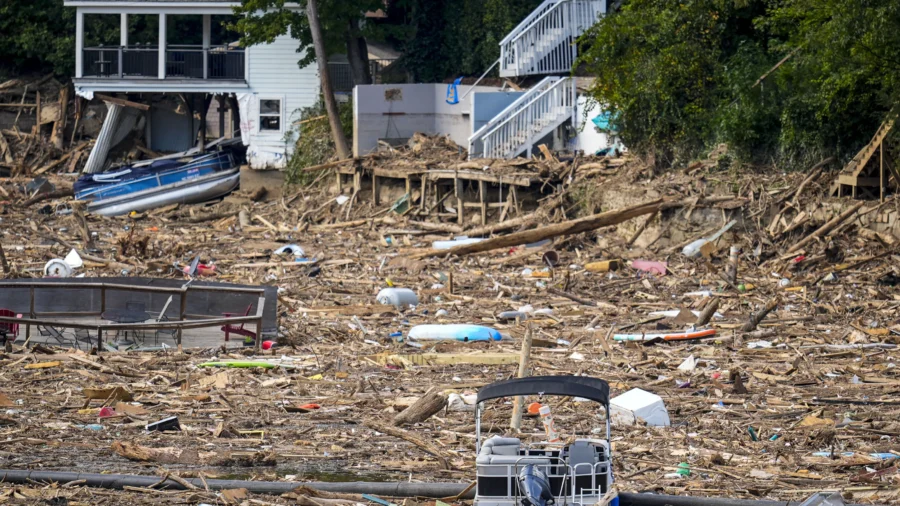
533, 115
544, 43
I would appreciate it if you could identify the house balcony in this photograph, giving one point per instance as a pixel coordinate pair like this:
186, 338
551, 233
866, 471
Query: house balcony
159, 64
181, 62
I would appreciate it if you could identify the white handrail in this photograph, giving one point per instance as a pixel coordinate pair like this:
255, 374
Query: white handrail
528, 19
531, 117
513, 107
544, 42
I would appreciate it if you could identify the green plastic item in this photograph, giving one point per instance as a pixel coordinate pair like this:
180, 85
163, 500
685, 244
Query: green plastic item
684, 469
240, 364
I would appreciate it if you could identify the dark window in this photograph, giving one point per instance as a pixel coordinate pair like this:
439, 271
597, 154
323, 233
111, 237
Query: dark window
270, 115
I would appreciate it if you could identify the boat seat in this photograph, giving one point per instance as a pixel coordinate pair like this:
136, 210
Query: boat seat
504, 451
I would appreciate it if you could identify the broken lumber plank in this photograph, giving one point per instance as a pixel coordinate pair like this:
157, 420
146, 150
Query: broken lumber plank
824, 229
566, 228
755, 319
121, 101
406, 436
5, 151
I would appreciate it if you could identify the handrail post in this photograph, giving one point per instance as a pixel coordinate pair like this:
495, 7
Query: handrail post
120, 62
102, 299
99, 338
30, 314
182, 313
259, 334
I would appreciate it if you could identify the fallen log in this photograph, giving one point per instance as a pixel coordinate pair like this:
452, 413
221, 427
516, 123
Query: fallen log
566, 228
708, 312
432, 402
755, 319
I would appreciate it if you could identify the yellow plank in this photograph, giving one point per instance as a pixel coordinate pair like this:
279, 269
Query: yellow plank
44, 365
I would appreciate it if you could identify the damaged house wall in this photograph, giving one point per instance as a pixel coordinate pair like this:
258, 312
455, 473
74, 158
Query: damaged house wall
394, 112
275, 75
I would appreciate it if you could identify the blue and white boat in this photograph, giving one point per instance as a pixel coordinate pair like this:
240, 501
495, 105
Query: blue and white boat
186, 179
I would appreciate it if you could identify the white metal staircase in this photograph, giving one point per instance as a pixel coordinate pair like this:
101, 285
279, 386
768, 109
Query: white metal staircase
545, 42
536, 114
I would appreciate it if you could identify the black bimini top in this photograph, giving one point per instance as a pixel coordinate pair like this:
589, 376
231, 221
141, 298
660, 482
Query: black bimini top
594, 389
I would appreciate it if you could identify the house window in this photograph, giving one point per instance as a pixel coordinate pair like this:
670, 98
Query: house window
269, 115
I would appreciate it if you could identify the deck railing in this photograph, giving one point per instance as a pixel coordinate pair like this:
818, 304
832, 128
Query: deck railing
182, 62
183, 323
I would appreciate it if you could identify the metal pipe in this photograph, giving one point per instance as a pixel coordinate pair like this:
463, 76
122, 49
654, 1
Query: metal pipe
386, 489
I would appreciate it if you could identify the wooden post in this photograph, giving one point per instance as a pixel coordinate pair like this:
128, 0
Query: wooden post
99, 339
374, 188
524, 361
102, 300
881, 170
425, 185
60, 124
340, 181
221, 99
458, 189
481, 194
37, 123
450, 282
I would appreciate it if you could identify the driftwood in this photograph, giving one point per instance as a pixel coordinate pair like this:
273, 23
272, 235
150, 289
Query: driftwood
524, 361
406, 436
755, 319
58, 194
824, 229
432, 402
3, 261
731, 269
566, 228
521, 221
571, 296
708, 312
640, 230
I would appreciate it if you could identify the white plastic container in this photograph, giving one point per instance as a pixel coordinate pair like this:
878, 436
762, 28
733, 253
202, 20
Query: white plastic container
398, 297
637, 404
454, 332
549, 428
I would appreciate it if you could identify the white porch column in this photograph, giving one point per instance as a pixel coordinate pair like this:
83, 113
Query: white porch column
79, 43
162, 46
123, 42
207, 29
123, 30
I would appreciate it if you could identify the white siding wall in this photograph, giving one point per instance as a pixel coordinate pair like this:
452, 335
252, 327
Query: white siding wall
273, 74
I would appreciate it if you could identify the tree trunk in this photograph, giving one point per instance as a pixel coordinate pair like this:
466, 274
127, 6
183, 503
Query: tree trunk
358, 55
334, 117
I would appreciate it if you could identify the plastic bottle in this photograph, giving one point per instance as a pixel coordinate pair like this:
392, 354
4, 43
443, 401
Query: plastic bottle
513, 315
693, 249
549, 428
398, 297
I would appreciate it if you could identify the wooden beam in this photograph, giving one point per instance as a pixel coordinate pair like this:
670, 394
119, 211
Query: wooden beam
122, 102
566, 228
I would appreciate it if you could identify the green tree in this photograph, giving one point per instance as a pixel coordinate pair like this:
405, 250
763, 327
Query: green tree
262, 21
37, 36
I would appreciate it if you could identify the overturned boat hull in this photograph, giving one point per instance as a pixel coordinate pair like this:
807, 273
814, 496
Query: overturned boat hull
191, 191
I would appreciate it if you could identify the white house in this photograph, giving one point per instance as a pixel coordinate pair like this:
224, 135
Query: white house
264, 82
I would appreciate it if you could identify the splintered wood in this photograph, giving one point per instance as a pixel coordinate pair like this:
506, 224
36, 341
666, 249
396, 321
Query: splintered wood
788, 389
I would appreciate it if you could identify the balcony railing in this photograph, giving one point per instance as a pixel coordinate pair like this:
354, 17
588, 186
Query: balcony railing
182, 62
342, 80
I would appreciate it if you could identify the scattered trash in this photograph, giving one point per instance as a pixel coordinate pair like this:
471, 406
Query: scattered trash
397, 297
454, 332
693, 249
657, 268
292, 250
57, 268
165, 424
639, 405
604, 266
549, 427
678, 336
